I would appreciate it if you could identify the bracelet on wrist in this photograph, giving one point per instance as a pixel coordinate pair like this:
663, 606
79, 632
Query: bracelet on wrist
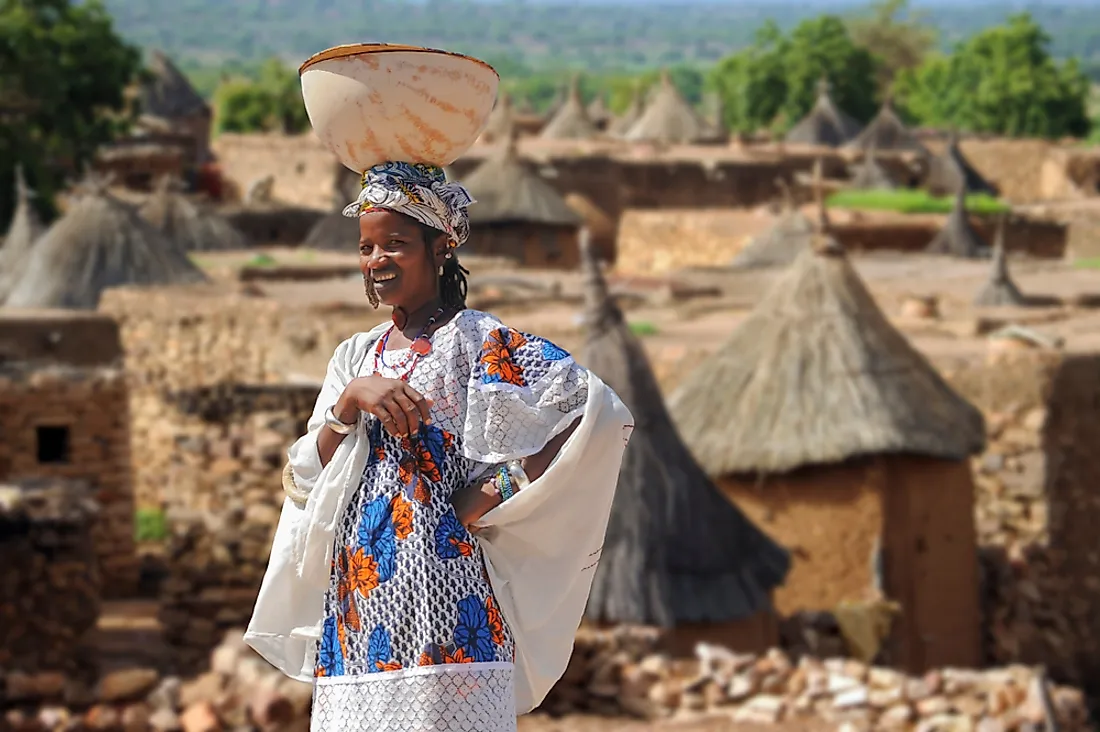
504, 483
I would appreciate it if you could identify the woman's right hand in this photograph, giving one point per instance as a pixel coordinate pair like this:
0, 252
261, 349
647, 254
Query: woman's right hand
397, 405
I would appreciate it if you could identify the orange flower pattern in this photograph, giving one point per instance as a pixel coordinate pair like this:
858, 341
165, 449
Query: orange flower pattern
402, 517
498, 357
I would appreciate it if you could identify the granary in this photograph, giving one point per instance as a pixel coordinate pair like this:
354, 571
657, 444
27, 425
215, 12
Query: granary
191, 226
24, 231
957, 237
669, 119
598, 112
601, 229
842, 442
677, 554
999, 290
620, 125
887, 133
501, 122
826, 125
782, 242
570, 120
99, 243
519, 215
869, 175
951, 170
64, 416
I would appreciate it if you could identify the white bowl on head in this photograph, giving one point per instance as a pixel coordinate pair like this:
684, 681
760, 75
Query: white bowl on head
372, 103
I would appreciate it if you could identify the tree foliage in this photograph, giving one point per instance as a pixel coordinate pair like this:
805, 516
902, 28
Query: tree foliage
63, 75
1001, 80
899, 43
271, 103
776, 77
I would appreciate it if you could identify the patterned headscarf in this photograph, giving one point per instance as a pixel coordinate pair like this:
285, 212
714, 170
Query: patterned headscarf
420, 191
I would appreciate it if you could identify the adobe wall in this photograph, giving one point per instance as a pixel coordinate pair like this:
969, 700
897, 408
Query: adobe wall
49, 574
529, 245
829, 519
305, 172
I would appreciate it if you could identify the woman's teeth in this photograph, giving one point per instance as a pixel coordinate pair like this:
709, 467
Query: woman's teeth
384, 277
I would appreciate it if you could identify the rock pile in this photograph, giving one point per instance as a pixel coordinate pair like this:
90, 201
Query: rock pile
49, 577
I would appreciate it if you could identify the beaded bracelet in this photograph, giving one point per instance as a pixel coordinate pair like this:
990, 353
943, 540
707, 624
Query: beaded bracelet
504, 483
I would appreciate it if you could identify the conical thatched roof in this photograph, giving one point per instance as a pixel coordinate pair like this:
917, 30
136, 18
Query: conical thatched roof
98, 244
190, 226
597, 110
24, 231
570, 121
502, 121
167, 93
869, 175
957, 237
949, 171
826, 125
887, 132
619, 126
507, 191
816, 375
334, 232
780, 244
676, 551
1000, 290
669, 119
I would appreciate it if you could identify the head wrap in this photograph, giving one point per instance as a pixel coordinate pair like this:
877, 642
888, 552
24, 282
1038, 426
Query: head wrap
420, 191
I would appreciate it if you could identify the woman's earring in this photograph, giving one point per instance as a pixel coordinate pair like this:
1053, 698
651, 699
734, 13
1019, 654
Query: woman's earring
441, 271
449, 255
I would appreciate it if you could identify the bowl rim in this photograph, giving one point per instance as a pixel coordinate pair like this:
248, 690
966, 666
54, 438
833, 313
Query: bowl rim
356, 49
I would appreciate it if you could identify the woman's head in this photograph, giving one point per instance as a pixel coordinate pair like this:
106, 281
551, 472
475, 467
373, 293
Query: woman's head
406, 263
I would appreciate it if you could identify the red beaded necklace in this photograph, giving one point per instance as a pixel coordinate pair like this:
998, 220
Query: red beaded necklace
421, 346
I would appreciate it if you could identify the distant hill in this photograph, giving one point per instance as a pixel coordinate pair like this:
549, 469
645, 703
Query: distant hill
583, 34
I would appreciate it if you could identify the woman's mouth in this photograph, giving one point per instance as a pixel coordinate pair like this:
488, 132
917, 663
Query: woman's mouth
382, 279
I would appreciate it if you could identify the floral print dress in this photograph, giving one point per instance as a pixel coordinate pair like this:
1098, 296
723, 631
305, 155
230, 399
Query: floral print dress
413, 638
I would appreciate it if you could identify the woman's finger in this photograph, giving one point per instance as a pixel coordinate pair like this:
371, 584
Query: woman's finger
423, 403
412, 414
398, 414
388, 419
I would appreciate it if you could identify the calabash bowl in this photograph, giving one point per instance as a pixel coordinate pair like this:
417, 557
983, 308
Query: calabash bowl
372, 103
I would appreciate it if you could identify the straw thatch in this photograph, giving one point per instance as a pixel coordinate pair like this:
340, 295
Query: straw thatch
816, 374
506, 191
98, 244
669, 119
597, 111
570, 121
951, 170
957, 237
826, 125
1000, 290
870, 176
167, 93
887, 132
781, 243
676, 551
190, 226
23, 233
502, 121
619, 126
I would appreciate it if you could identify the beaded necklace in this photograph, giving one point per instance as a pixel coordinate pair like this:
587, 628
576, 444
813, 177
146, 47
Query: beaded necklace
421, 346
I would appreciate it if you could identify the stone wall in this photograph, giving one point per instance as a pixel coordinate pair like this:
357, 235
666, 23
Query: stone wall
49, 576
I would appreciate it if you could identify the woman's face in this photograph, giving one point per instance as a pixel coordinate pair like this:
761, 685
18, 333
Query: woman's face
393, 253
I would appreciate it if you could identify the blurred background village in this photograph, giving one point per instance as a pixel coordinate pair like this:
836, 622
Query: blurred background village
842, 261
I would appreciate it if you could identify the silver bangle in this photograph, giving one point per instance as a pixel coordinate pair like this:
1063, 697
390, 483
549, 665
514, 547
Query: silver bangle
519, 475
340, 428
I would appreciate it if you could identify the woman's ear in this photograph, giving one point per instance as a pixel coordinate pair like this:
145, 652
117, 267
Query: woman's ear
440, 249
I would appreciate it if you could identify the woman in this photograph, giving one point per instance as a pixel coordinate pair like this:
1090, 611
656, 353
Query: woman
458, 414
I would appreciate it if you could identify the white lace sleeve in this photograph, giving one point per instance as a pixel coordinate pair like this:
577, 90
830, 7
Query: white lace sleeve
523, 391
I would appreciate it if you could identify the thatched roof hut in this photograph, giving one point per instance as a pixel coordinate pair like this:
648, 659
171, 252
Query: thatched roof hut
25, 229
868, 175
570, 121
951, 170
676, 550
619, 126
1000, 290
887, 132
598, 112
501, 122
190, 226
817, 374
507, 191
957, 237
826, 125
99, 243
669, 119
782, 242
167, 93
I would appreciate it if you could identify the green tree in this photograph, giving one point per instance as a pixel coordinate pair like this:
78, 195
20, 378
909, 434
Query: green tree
1001, 80
776, 77
898, 43
63, 76
271, 102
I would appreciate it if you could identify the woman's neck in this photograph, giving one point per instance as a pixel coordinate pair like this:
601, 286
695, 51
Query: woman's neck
411, 321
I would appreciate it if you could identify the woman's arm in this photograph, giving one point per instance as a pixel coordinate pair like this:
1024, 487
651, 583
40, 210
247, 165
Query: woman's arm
477, 499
